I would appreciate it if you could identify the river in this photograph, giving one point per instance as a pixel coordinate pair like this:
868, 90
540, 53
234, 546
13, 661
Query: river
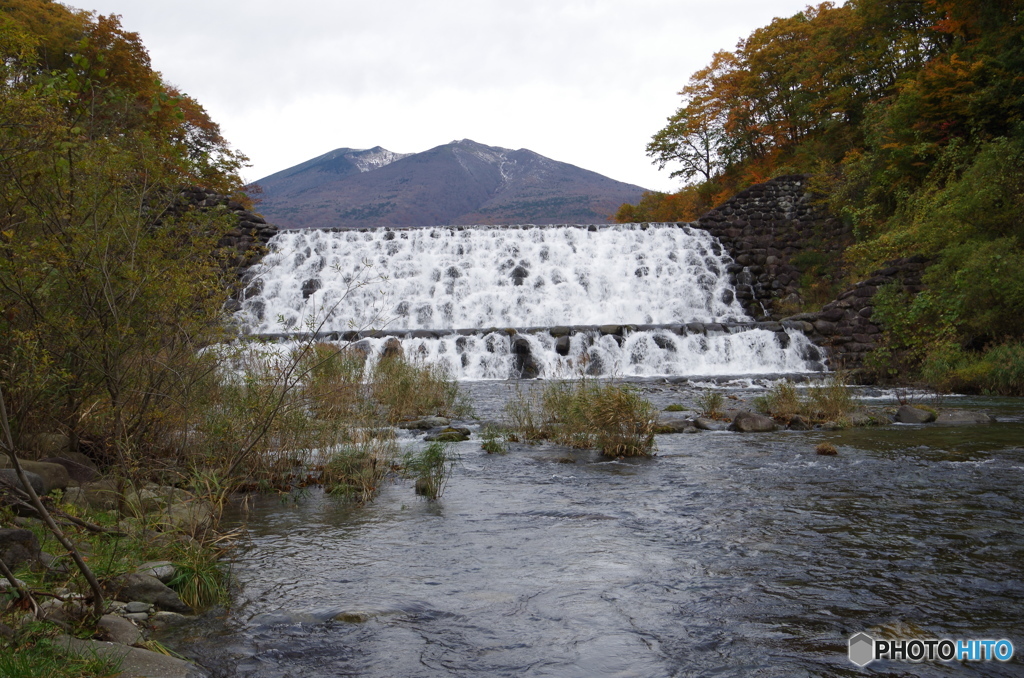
727, 554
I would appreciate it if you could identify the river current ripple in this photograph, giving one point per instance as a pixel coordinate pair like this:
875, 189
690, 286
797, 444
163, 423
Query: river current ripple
726, 555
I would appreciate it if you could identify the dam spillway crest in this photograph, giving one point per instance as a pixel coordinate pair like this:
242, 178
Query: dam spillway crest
493, 302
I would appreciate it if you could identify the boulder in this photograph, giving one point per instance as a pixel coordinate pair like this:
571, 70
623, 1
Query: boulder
425, 423
118, 630
192, 516
102, 495
79, 473
18, 547
135, 662
705, 424
752, 422
962, 417
48, 444
9, 475
55, 476
163, 570
164, 620
143, 587
912, 415
392, 349
449, 435
667, 423
524, 364
798, 423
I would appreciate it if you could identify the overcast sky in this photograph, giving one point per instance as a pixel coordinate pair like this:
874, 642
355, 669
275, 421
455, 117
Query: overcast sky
581, 81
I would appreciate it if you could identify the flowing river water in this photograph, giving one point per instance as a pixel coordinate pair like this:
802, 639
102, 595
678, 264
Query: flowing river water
727, 554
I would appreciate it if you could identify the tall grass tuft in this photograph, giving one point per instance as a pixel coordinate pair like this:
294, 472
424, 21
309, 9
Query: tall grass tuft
586, 413
356, 470
829, 401
431, 467
405, 390
781, 401
709, 403
200, 578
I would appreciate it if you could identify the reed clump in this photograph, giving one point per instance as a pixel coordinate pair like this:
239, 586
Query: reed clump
431, 467
586, 413
828, 401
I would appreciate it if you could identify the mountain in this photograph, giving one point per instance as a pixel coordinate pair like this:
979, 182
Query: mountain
458, 183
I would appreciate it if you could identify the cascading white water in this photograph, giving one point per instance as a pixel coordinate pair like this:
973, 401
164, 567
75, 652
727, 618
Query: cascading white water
491, 277
445, 278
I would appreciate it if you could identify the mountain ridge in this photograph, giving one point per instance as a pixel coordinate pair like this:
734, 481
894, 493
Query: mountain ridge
459, 183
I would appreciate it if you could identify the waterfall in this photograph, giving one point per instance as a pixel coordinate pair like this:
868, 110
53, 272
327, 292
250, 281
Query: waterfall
446, 289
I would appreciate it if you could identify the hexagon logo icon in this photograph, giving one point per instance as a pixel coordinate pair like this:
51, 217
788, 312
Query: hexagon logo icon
862, 649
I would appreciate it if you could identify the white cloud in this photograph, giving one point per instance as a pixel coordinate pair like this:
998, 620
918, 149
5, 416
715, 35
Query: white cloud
582, 81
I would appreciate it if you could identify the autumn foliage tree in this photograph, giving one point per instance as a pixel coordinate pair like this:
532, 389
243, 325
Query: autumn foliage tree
105, 296
900, 111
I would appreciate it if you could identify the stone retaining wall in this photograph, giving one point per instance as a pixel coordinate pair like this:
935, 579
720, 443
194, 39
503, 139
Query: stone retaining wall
764, 227
846, 326
243, 245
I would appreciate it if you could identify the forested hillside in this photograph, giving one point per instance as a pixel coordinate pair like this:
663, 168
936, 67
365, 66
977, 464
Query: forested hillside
908, 117
104, 296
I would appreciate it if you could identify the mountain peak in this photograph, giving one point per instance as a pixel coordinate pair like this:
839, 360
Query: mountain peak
462, 182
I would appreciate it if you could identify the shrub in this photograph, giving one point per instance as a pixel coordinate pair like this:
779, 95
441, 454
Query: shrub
829, 401
199, 579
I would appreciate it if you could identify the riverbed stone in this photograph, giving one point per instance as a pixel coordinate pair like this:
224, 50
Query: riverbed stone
78, 473
799, 423
9, 475
119, 630
752, 422
671, 423
18, 547
48, 444
908, 414
55, 476
963, 417
449, 435
163, 570
707, 424
135, 662
425, 423
142, 587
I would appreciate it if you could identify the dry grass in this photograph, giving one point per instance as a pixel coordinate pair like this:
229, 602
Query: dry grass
586, 413
829, 401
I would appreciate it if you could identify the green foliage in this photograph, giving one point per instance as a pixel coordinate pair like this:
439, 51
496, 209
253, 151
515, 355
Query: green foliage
910, 116
102, 284
677, 407
996, 371
431, 467
33, 654
830, 401
587, 413
493, 441
200, 577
